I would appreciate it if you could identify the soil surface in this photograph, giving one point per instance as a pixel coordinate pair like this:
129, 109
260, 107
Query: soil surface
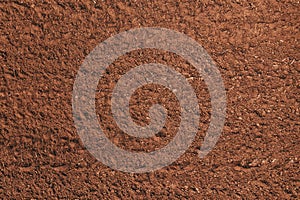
255, 45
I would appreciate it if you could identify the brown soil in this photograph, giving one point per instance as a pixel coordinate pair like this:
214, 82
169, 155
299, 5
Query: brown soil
256, 47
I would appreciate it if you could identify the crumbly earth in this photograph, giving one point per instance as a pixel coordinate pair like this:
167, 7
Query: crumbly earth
255, 45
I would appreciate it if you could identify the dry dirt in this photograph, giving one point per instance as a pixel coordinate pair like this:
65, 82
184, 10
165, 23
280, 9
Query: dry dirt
255, 45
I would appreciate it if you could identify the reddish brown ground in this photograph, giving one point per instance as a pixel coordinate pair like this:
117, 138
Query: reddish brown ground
256, 47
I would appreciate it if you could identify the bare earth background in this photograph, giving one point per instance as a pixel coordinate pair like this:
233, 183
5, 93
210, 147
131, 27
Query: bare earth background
254, 43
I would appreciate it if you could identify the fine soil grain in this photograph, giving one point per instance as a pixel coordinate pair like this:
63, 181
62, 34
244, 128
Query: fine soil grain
255, 45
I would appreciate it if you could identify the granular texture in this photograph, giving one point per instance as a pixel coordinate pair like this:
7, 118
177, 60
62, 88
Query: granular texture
255, 45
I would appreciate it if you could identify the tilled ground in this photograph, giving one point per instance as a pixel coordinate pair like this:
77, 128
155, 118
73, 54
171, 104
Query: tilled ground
255, 45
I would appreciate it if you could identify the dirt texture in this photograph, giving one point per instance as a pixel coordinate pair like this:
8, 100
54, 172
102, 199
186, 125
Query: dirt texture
255, 45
